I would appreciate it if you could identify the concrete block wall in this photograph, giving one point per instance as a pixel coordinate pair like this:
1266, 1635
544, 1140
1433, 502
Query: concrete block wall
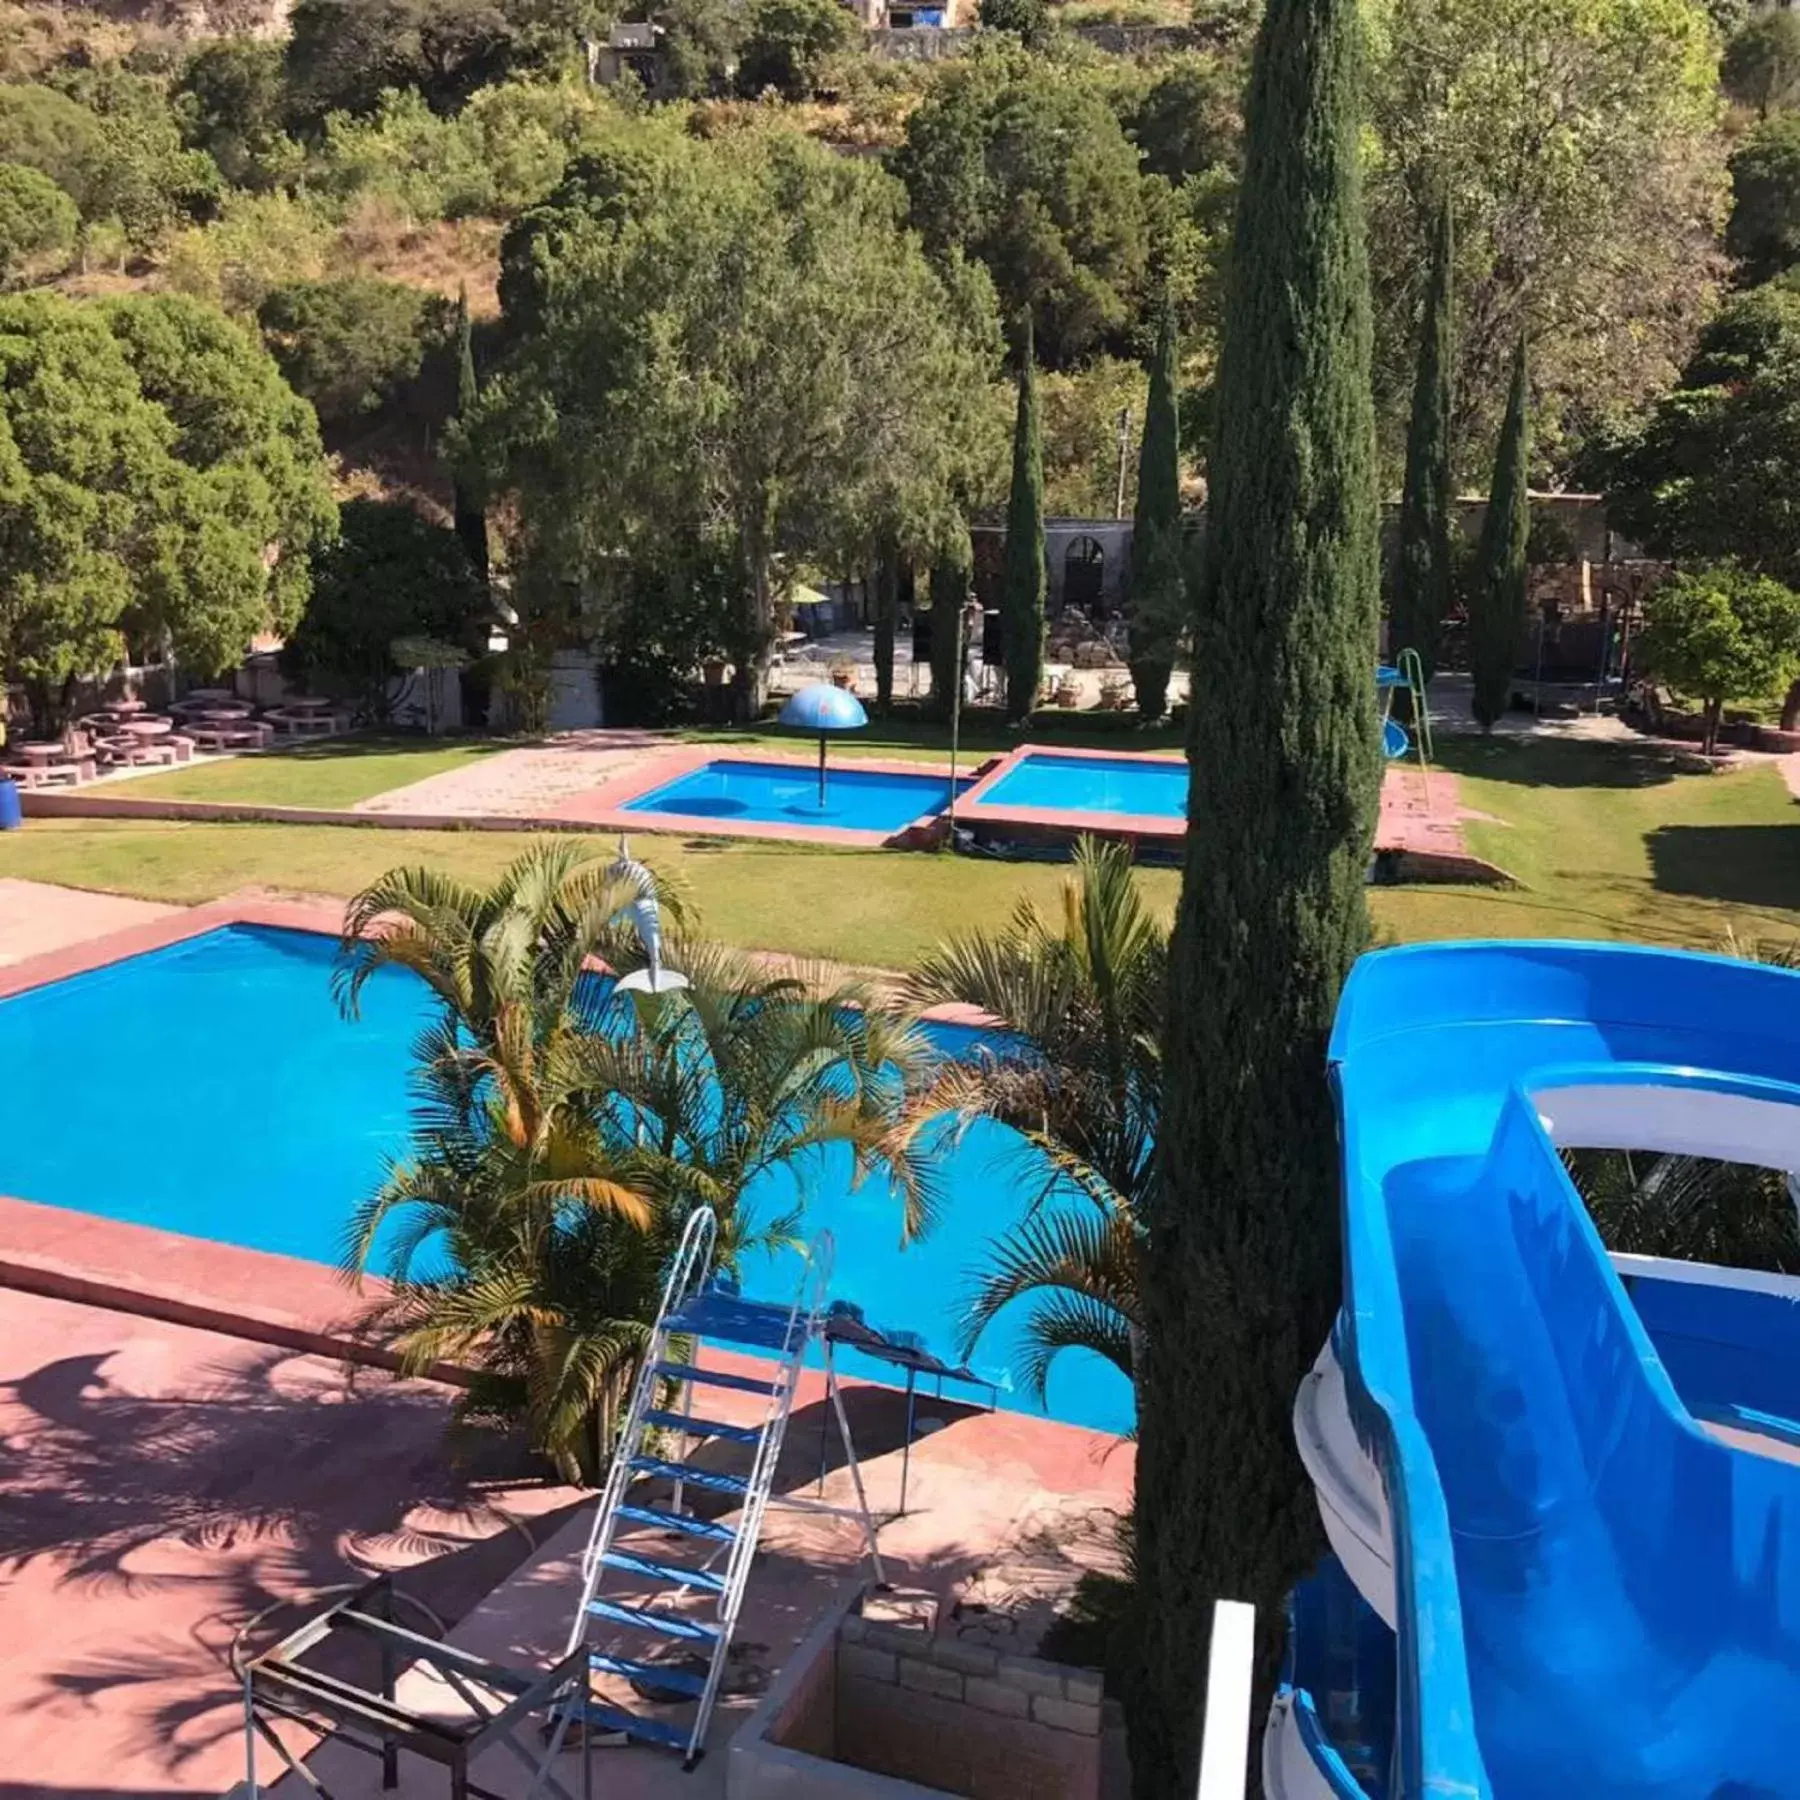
881, 1709
960, 1718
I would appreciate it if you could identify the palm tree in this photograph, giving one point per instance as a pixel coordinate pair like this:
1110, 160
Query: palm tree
566, 1129
743, 1073
1074, 1068
518, 1237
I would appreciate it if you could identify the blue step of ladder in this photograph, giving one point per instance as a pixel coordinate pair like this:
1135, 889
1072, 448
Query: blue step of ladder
710, 1529
724, 1318
691, 1474
740, 1384
675, 1625
651, 1731
662, 1675
703, 1580
736, 1434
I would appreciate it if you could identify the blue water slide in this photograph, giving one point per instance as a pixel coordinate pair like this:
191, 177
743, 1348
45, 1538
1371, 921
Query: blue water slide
1592, 1594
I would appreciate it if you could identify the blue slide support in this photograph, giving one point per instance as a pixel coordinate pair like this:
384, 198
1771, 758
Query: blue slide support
1594, 1597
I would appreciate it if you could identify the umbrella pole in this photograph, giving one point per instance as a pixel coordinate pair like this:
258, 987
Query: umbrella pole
821, 771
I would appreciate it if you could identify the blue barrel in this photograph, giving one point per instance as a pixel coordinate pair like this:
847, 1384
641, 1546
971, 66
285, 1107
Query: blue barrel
12, 816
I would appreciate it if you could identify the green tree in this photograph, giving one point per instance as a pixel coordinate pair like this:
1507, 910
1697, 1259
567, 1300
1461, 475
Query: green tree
1763, 233
1023, 583
347, 344
49, 132
789, 43
1497, 603
36, 217
1158, 595
390, 575
731, 347
1077, 993
1190, 119
1761, 64
470, 516
1027, 20
1579, 142
1422, 583
1083, 410
1241, 1276
229, 101
158, 481
1721, 632
950, 585
1714, 471
1689, 1208
343, 55
1021, 163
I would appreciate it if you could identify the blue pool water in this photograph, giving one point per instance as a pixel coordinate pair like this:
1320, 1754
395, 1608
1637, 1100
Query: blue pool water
788, 794
211, 1088
1114, 784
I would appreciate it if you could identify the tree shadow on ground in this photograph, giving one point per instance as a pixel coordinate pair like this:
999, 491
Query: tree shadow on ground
1746, 865
261, 1479
1558, 762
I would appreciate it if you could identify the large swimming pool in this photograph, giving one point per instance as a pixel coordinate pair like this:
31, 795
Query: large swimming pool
211, 1088
1147, 787
876, 800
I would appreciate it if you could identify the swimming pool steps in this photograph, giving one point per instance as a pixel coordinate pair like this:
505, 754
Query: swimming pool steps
691, 1475
654, 1731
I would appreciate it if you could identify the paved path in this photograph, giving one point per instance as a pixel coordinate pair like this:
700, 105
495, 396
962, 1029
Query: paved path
36, 917
522, 784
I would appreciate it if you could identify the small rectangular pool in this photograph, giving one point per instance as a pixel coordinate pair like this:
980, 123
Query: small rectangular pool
211, 1088
1145, 787
1039, 796
879, 801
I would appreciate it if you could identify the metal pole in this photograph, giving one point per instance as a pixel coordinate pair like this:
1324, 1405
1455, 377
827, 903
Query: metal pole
956, 688
912, 1382
821, 771
1124, 451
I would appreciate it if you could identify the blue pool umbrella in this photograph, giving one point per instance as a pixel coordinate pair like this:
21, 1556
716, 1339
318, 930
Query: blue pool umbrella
824, 707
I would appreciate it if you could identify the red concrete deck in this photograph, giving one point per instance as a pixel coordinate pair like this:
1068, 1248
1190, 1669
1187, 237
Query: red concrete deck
162, 1485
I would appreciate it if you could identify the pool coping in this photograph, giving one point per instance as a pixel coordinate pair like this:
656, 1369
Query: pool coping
605, 807
974, 808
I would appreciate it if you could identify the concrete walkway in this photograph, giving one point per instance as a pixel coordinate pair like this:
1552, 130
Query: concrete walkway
36, 917
526, 783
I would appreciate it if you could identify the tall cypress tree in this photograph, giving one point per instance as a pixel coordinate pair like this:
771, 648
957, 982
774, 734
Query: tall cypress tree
1497, 606
1241, 1271
1422, 579
1156, 599
470, 518
949, 593
1023, 580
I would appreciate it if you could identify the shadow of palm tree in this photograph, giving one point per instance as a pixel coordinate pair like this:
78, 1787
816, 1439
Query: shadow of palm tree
261, 1479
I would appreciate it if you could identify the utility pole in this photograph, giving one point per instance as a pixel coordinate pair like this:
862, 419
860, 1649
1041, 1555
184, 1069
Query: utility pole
1124, 452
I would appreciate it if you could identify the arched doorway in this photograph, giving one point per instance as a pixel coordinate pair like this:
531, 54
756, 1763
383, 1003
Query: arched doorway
1084, 576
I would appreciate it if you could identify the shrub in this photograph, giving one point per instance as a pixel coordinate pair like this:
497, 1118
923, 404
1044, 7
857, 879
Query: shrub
345, 344
258, 242
1761, 65
431, 168
49, 132
36, 216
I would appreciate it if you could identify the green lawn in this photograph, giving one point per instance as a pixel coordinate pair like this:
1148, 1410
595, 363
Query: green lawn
1605, 840
337, 772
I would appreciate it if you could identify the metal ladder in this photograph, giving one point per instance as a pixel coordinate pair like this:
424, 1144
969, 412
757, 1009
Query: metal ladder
697, 1310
